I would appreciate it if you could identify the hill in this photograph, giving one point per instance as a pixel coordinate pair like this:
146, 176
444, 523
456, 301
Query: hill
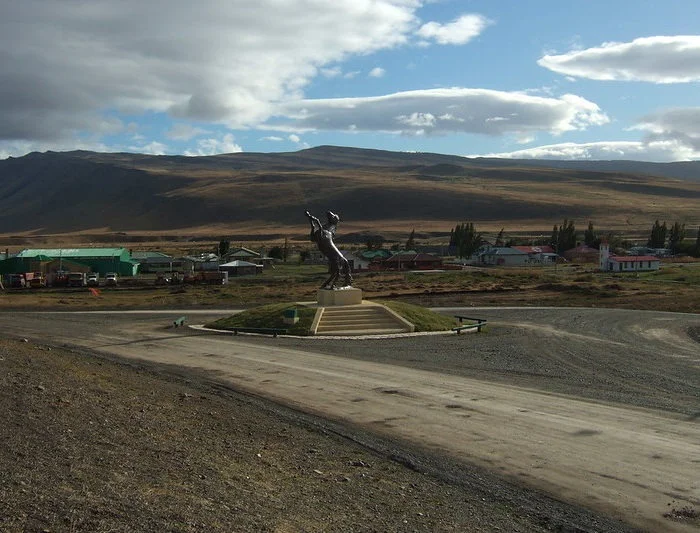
372, 189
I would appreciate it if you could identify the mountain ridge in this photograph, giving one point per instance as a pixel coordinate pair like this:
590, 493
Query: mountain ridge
61, 192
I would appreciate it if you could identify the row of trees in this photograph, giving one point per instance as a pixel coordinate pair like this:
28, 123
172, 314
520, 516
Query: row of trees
676, 236
467, 240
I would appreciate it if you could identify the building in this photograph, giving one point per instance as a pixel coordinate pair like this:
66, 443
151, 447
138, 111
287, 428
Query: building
100, 260
412, 261
581, 254
242, 254
626, 263
240, 268
156, 262
538, 254
357, 261
503, 256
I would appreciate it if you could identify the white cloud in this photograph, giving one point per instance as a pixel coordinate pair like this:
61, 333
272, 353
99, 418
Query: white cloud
184, 132
376, 72
661, 59
460, 31
273, 138
442, 111
331, 72
294, 138
679, 126
214, 146
659, 151
153, 148
64, 63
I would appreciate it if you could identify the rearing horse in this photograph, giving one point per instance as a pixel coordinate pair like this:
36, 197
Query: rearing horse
322, 235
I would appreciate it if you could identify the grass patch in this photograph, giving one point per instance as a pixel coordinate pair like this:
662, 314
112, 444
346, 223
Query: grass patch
423, 319
269, 316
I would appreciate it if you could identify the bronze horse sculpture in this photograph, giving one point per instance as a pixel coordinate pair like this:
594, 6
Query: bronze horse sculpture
322, 235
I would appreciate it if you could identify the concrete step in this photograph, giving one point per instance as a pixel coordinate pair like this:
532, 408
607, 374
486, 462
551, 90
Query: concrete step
335, 319
356, 326
359, 320
387, 331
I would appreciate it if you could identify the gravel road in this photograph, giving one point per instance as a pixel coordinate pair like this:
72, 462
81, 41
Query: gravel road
599, 407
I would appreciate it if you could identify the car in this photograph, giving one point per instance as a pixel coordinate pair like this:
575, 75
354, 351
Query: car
76, 279
111, 279
93, 279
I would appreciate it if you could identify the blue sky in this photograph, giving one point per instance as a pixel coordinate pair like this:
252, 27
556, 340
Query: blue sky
562, 80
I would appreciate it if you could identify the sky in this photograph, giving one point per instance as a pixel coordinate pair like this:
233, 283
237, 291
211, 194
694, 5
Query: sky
592, 79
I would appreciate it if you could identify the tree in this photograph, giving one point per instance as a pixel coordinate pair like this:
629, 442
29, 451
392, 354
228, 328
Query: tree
499, 238
564, 237
676, 237
411, 242
276, 252
465, 239
590, 237
554, 239
223, 247
697, 244
657, 239
304, 255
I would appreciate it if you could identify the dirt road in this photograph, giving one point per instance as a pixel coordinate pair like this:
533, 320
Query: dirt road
597, 408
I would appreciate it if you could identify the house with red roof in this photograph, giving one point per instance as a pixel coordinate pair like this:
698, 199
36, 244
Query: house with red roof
539, 254
626, 263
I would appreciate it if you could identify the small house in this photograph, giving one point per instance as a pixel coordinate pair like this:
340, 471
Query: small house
503, 256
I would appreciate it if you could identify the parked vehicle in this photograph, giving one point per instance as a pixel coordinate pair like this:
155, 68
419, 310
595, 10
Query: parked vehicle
210, 277
59, 279
93, 279
16, 281
36, 280
111, 279
77, 279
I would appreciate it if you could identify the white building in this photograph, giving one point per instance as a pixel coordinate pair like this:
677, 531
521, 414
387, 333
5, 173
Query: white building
626, 263
503, 256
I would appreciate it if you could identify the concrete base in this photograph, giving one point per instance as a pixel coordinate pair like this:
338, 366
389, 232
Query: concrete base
349, 296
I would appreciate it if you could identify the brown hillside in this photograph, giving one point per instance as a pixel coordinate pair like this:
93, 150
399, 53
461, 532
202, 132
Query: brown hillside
372, 189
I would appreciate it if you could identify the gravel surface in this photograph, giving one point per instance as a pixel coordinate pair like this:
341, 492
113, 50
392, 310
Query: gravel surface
95, 445
98, 445
642, 358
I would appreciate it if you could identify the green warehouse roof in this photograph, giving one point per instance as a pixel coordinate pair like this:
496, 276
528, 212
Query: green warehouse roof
72, 252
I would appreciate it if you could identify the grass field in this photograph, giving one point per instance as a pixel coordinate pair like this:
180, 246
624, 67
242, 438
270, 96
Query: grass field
676, 287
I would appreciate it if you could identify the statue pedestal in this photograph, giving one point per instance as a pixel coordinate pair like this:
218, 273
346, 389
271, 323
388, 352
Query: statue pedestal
346, 296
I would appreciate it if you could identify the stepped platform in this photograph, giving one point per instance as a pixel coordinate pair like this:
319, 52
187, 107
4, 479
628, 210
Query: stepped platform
361, 319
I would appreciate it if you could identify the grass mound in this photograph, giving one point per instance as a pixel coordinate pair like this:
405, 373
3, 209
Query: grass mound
423, 319
269, 316
272, 316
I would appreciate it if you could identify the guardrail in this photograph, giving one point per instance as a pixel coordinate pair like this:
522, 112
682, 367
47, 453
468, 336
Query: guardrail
265, 331
478, 324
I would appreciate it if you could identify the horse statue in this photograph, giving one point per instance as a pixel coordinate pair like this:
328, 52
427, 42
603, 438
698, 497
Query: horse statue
322, 235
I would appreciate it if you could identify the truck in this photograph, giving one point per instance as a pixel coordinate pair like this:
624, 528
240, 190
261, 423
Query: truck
93, 279
36, 280
111, 279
